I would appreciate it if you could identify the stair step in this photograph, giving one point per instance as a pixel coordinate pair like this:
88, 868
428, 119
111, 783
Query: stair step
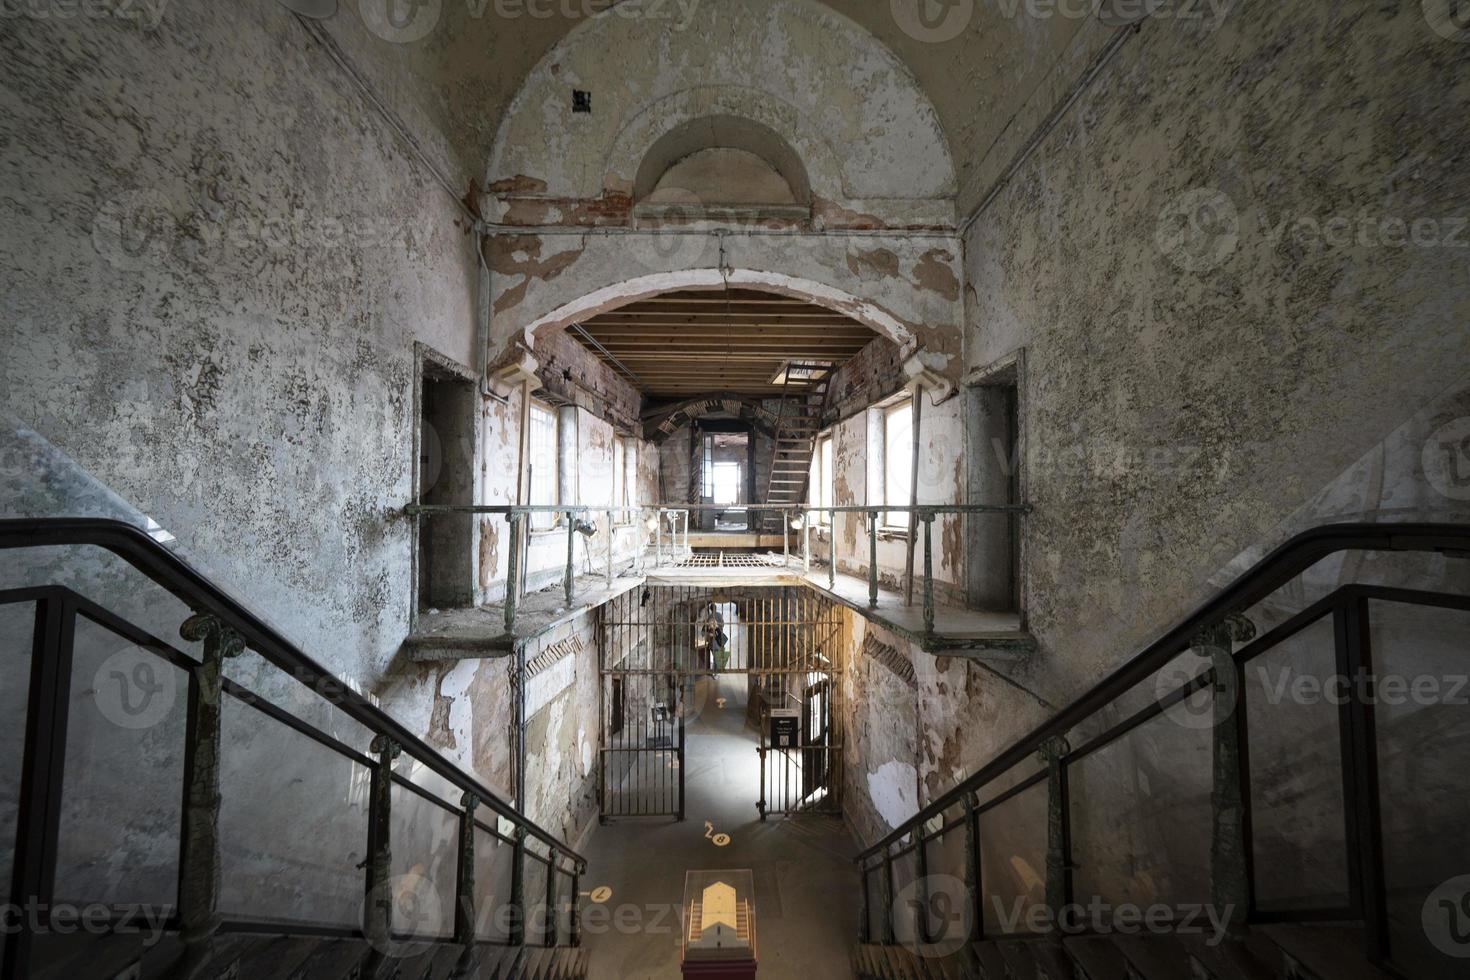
1098, 957
1330, 951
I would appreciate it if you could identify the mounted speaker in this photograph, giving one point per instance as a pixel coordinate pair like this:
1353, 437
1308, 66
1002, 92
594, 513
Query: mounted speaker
316, 9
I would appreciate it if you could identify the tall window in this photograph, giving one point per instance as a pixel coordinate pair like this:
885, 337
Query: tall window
543, 464
819, 492
898, 454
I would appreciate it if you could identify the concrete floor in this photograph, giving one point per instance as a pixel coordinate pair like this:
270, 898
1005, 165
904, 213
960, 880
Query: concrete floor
806, 901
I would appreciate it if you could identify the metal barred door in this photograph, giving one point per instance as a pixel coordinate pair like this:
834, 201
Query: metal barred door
659, 641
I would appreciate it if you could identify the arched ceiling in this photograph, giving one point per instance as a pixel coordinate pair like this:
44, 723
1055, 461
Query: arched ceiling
985, 70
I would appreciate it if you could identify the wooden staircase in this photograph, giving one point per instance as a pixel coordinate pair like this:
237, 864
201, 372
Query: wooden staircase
797, 424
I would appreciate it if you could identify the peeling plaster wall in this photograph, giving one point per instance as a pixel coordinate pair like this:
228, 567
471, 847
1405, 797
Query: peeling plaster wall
851, 110
881, 756
562, 730
1187, 395
221, 260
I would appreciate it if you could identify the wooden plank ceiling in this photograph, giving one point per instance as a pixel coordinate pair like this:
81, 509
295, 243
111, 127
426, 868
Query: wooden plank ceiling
695, 341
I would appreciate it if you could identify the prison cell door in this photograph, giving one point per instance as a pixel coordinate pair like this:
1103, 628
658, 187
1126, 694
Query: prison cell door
643, 687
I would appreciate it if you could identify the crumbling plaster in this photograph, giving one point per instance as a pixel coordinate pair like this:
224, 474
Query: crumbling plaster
854, 112
1185, 396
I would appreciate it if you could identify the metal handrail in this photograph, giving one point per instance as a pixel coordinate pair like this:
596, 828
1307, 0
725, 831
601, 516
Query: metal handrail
199, 593
518, 514
1265, 577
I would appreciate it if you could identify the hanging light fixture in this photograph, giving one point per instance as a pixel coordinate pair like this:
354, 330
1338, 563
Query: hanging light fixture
315, 9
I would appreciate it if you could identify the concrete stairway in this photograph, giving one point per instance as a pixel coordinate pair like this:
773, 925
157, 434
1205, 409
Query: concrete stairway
284, 957
1270, 952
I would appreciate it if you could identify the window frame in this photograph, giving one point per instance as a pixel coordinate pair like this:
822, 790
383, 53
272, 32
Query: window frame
821, 478
887, 523
544, 523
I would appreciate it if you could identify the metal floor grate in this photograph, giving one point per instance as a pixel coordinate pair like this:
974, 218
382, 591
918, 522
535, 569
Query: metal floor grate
727, 559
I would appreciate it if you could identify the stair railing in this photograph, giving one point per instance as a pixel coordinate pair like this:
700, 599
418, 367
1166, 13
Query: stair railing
224, 628
1228, 642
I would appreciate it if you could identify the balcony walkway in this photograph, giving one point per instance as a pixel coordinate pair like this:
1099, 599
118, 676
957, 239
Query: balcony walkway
460, 634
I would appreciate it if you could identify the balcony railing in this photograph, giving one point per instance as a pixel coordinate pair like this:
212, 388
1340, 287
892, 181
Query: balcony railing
1037, 782
664, 524
355, 736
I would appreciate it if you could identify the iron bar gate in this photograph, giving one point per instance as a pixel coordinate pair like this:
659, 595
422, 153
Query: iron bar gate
655, 643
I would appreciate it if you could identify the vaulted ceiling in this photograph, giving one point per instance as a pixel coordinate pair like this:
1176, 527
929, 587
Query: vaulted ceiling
979, 69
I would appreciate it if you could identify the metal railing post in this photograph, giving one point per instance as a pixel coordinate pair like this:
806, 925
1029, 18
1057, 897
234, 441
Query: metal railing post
199, 853
548, 919
873, 559
832, 553
865, 924
513, 572
785, 538
464, 887
1058, 845
888, 939
574, 918
806, 542
612, 532
571, 588
1361, 795
1229, 875
517, 931
377, 920
972, 870
658, 546
920, 905
928, 518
